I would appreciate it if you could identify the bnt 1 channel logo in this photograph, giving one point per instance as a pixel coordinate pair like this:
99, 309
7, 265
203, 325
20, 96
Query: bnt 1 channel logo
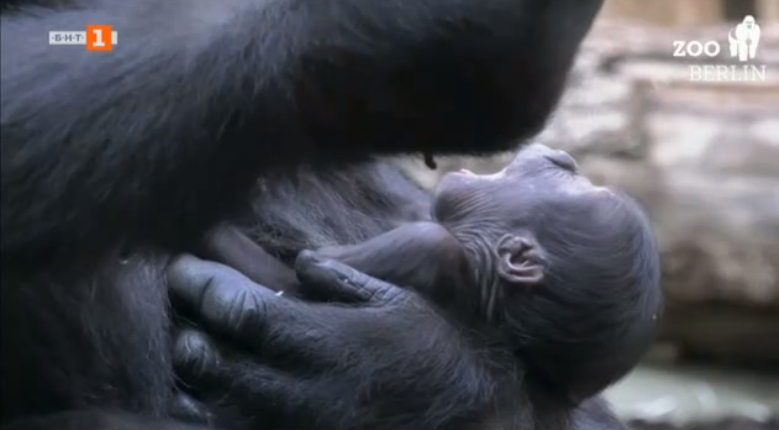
742, 43
96, 38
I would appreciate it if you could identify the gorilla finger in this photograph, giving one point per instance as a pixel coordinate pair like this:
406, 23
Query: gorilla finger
203, 369
240, 310
225, 299
321, 276
195, 356
190, 410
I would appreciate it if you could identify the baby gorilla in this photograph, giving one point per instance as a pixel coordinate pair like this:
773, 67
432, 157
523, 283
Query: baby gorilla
538, 263
537, 260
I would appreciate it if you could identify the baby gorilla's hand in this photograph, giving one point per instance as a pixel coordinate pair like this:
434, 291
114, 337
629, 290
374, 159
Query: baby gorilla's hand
340, 282
304, 364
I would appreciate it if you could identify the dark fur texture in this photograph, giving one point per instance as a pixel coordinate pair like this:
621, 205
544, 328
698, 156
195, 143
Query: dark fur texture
474, 380
539, 257
204, 97
141, 150
559, 338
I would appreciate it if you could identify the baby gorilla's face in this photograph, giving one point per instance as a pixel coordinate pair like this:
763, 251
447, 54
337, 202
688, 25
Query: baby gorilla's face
538, 175
560, 263
501, 218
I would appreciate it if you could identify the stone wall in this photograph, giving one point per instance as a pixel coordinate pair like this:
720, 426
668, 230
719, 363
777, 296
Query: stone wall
688, 13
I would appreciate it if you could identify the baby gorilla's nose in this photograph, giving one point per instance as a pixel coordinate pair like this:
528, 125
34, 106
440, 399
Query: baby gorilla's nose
563, 160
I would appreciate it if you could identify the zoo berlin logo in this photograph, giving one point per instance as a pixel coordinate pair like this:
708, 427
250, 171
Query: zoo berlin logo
743, 41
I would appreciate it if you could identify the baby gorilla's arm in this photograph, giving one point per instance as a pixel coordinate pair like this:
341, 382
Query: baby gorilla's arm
228, 245
421, 255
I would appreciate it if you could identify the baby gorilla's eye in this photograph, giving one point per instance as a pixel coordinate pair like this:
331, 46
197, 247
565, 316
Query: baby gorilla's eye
564, 160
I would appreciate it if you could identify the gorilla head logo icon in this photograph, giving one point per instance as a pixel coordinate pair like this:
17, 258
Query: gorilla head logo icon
744, 39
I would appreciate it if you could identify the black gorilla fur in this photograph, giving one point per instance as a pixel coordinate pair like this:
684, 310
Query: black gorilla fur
464, 386
113, 162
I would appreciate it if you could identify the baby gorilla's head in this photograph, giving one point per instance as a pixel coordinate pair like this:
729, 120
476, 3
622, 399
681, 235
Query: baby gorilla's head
568, 270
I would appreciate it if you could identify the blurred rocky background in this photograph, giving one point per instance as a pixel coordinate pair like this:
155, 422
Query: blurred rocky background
702, 157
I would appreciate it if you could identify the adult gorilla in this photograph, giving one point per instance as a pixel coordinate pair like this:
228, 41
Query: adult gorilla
140, 151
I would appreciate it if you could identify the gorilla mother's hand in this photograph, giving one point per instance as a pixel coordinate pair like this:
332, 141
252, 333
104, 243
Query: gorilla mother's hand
384, 354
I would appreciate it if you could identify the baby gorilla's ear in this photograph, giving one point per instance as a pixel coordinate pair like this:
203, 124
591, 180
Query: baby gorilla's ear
520, 259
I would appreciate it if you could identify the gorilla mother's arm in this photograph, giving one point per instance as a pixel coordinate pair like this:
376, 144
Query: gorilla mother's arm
159, 138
